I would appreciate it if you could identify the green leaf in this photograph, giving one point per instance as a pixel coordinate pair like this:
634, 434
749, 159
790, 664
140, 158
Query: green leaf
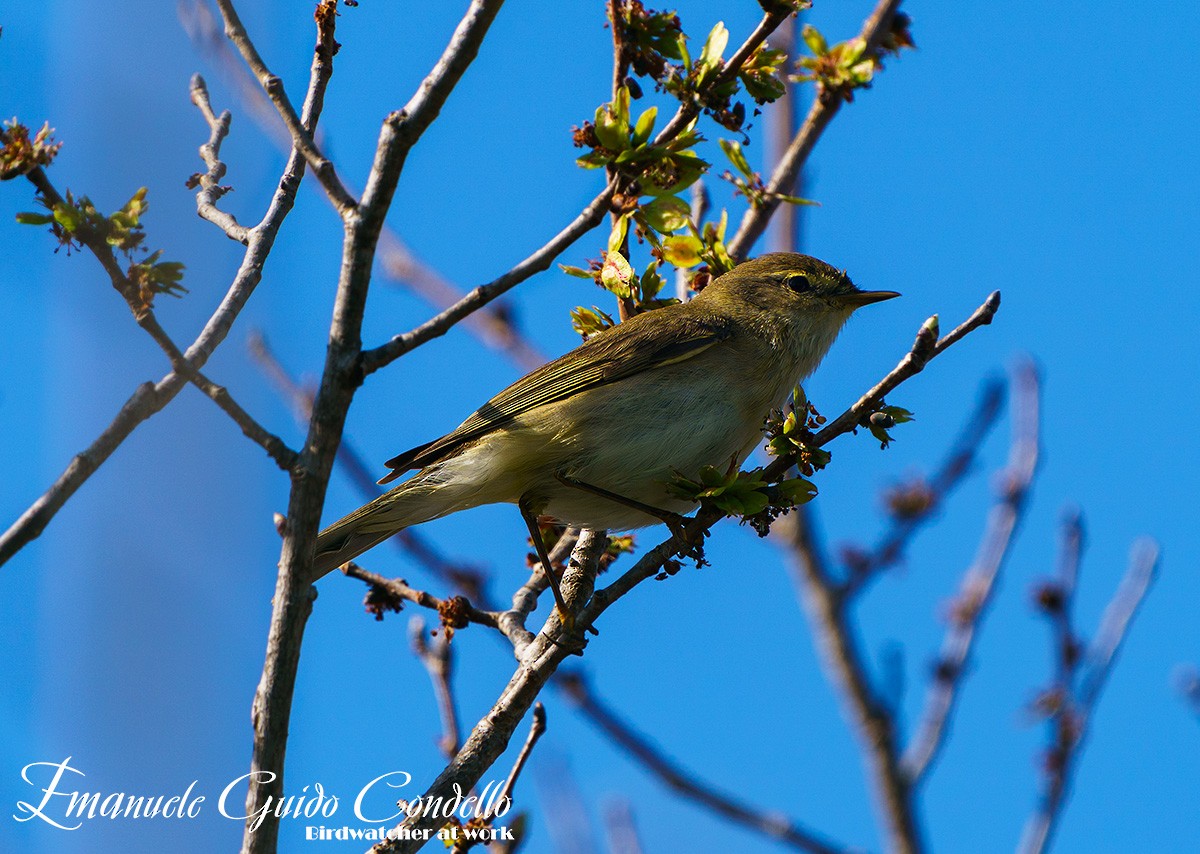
644, 126
651, 283
797, 490
667, 213
733, 150
593, 160
30, 218
714, 46
577, 272
589, 321
796, 200
68, 216
815, 41
682, 250
616, 237
610, 130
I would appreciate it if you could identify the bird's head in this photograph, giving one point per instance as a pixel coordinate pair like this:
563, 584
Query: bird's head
793, 284
796, 302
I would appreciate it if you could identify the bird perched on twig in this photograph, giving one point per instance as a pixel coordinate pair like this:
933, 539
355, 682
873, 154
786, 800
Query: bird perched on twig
593, 438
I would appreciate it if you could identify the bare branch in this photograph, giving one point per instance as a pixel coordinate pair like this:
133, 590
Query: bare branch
926, 346
970, 606
439, 662
209, 183
820, 114
536, 727
275, 447
844, 659
399, 589
273, 86
490, 736
685, 783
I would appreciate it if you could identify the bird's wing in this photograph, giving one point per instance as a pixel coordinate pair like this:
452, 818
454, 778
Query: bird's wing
627, 349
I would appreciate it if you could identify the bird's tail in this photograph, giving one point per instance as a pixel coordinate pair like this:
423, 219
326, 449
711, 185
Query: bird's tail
415, 501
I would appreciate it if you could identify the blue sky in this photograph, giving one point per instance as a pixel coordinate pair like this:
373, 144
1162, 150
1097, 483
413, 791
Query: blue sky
1047, 152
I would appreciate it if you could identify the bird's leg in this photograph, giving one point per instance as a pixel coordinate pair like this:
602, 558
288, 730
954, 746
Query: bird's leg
535, 534
674, 521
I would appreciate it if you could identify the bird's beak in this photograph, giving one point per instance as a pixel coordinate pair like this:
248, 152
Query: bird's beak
861, 298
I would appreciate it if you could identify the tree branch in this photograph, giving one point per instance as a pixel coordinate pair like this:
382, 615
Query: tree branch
538, 661
273, 86
211, 191
975, 593
873, 717
399, 589
537, 727
439, 662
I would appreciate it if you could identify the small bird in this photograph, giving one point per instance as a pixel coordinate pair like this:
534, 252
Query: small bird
593, 438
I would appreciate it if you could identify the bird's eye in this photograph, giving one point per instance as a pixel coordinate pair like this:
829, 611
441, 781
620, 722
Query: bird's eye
798, 283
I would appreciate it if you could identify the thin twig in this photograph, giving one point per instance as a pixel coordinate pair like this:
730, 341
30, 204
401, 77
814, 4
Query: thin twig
400, 589
438, 660
536, 727
210, 189
824, 107
301, 135
144, 315
975, 593
775, 826
925, 348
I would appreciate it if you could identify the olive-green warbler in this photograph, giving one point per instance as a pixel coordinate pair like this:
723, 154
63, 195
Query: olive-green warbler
594, 437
